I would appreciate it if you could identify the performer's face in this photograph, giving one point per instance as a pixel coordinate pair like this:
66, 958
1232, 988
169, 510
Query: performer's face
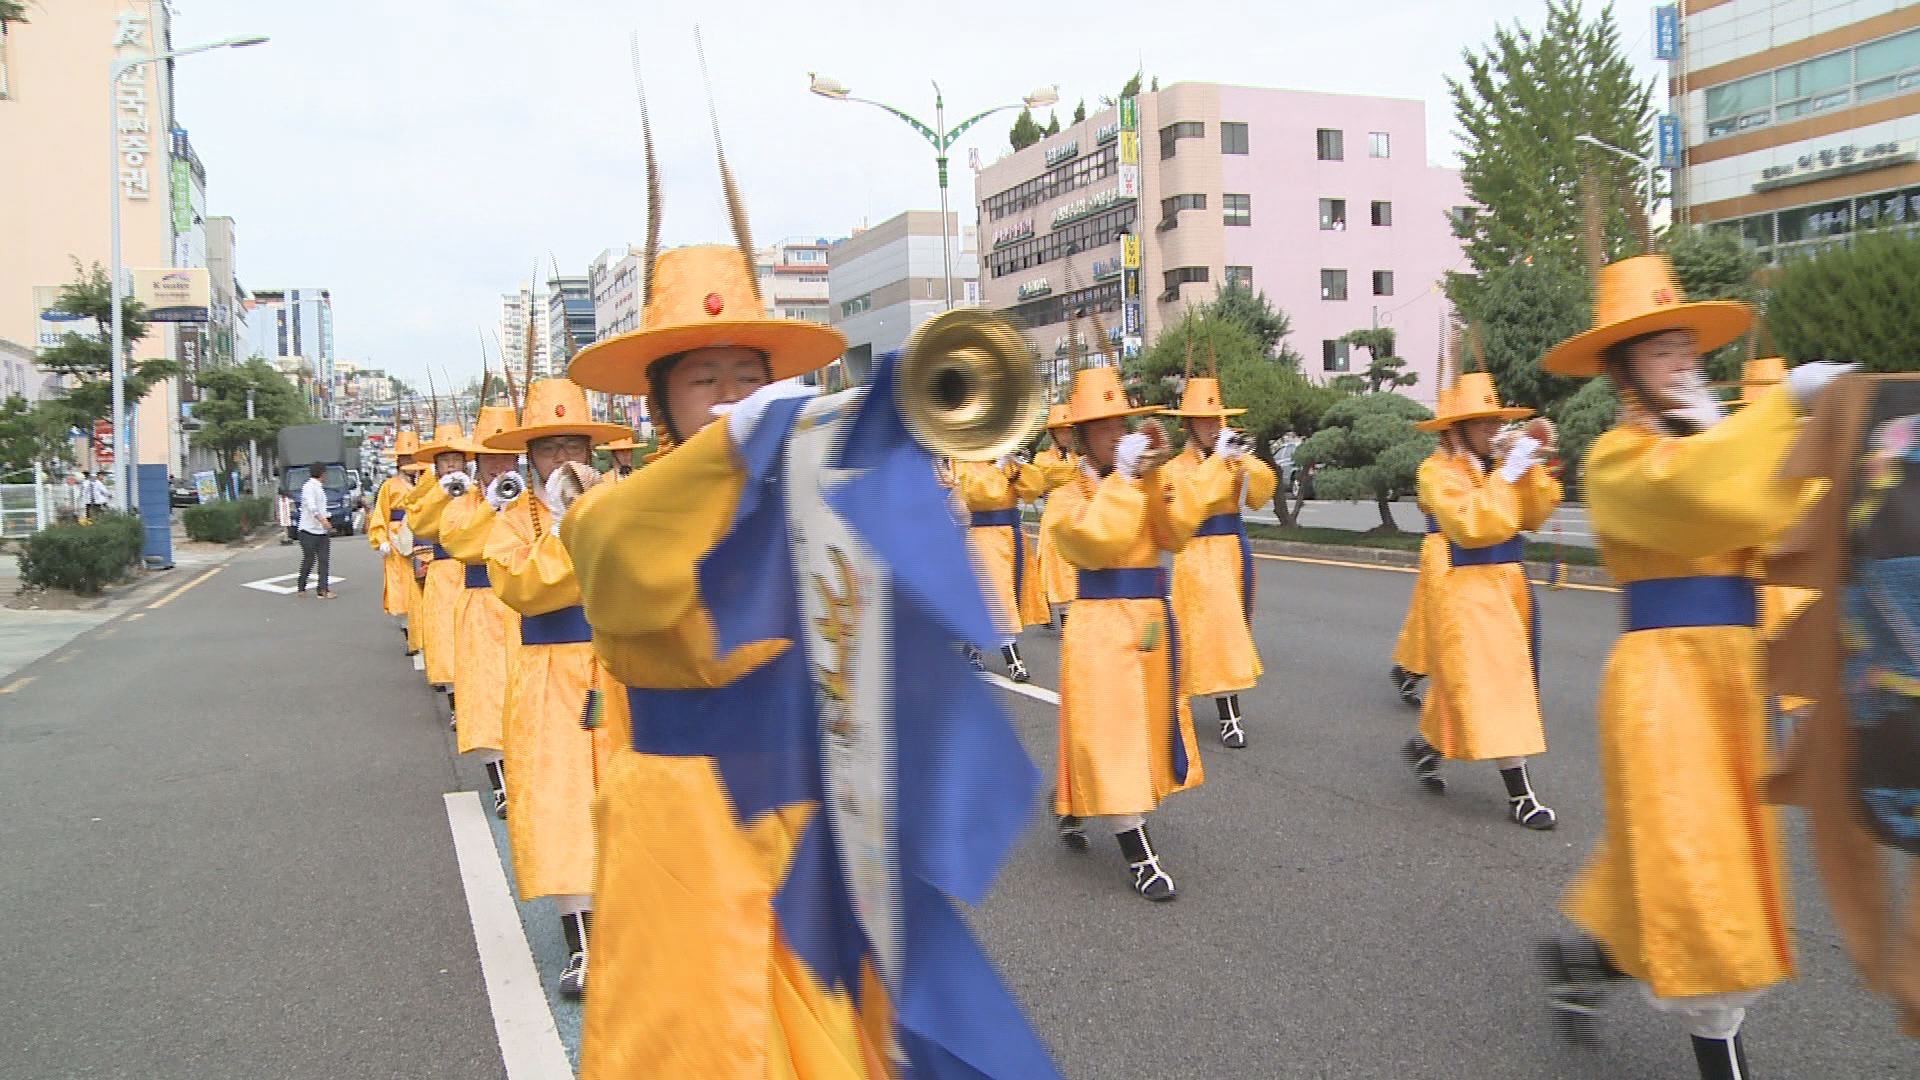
705, 382
1062, 439
1203, 430
1101, 439
1665, 362
492, 465
451, 462
623, 458
548, 454
1478, 436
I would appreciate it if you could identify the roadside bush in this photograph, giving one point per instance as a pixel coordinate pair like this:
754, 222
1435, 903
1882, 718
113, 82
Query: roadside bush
255, 512
214, 522
82, 557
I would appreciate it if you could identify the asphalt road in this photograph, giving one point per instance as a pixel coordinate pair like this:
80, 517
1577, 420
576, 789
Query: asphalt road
227, 855
1571, 521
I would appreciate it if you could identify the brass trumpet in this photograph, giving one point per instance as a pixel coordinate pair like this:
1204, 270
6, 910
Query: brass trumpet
968, 387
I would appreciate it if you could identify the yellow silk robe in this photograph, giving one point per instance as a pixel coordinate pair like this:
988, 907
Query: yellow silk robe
417, 565
554, 761
1056, 578
1483, 703
985, 486
1410, 648
692, 978
486, 632
1216, 634
396, 579
443, 586
1687, 888
1119, 712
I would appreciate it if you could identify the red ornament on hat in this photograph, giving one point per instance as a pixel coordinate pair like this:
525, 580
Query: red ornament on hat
715, 302
559, 410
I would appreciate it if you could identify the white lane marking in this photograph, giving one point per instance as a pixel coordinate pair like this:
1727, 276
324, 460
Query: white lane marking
529, 1040
278, 585
1037, 693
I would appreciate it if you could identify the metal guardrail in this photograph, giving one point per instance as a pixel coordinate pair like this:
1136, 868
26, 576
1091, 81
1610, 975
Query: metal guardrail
24, 509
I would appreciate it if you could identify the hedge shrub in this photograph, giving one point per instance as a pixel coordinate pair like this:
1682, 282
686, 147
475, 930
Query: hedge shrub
225, 521
84, 556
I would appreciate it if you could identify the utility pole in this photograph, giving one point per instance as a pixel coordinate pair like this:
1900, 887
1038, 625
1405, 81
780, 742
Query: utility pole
253, 452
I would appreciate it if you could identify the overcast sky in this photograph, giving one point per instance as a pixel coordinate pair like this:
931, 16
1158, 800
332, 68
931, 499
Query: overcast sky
418, 158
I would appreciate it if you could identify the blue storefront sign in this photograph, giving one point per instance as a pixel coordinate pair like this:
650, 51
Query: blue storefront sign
1669, 142
1666, 32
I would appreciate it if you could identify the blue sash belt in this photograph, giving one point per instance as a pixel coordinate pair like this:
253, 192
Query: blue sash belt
1663, 603
568, 626
1510, 551
477, 576
440, 552
1146, 583
1433, 526
1229, 524
1009, 519
396, 515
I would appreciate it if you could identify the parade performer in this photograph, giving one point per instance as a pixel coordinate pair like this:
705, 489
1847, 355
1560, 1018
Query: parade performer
1481, 493
774, 591
1213, 583
486, 632
621, 450
1686, 891
1126, 734
396, 567
446, 452
993, 492
562, 718
1058, 465
1410, 662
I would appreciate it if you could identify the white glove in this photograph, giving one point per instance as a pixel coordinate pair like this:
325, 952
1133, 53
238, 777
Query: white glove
505, 488
1806, 381
743, 416
386, 548
1230, 444
455, 484
1132, 448
1524, 454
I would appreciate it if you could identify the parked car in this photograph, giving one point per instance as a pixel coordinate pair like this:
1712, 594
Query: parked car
1296, 481
182, 493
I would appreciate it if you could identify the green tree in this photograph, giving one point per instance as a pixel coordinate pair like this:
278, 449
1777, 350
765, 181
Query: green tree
1581, 419
32, 434
1025, 131
1254, 313
88, 361
1522, 103
1367, 447
1080, 112
1053, 123
1384, 369
1853, 304
222, 411
1712, 264
12, 11
1520, 312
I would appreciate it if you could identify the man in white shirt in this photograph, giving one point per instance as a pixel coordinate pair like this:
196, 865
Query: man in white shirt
97, 498
316, 531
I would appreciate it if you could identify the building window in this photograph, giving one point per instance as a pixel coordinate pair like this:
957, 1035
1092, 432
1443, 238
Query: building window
1241, 276
1333, 284
1383, 283
1333, 355
1171, 206
1182, 275
1332, 144
1239, 209
1382, 213
1463, 218
1233, 138
856, 305
1867, 72
1333, 215
1379, 144
1171, 135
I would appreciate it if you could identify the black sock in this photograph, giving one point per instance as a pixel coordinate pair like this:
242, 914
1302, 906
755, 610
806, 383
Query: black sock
1225, 708
496, 776
1516, 781
1063, 618
575, 927
449, 701
1233, 702
1011, 653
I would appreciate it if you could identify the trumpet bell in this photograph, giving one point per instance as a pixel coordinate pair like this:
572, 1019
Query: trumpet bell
969, 388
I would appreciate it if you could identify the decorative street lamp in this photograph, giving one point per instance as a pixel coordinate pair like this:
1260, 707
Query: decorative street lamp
122, 486
942, 138
1653, 197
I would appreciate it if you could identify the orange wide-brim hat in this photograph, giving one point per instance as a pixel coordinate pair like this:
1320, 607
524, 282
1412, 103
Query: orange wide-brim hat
1757, 376
704, 297
1639, 296
405, 444
1098, 395
448, 438
620, 444
554, 407
1442, 405
1472, 397
1201, 400
493, 420
1059, 416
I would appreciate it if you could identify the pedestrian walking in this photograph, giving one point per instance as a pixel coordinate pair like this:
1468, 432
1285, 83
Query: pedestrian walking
316, 532
96, 495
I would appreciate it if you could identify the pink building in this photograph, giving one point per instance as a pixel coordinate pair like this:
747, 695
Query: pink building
1324, 202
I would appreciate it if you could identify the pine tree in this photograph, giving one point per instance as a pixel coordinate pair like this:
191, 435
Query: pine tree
1384, 369
1053, 124
1025, 131
89, 361
1522, 104
1854, 304
1080, 112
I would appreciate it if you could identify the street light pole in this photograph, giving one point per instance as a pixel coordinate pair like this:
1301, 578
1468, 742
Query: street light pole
1653, 194
942, 139
253, 452
116, 339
